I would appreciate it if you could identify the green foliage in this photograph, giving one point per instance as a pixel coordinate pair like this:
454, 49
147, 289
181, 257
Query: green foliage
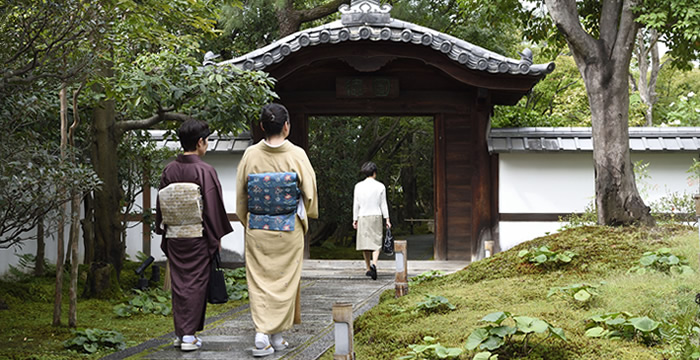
558, 100
402, 148
678, 24
678, 99
681, 330
425, 276
91, 340
152, 301
662, 261
431, 349
545, 257
24, 271
621, 325
589, 217
236, 285
434, 304
582, 294
499, 335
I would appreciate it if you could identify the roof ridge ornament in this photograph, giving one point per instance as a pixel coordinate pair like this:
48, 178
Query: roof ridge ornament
365, 12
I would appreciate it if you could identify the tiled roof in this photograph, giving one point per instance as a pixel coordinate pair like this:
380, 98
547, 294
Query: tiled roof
368, 20
554, 139
217, 143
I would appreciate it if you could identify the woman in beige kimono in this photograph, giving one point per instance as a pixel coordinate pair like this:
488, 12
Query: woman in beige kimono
276, 196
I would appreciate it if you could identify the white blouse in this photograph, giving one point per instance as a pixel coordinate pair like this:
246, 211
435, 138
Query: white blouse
369, 199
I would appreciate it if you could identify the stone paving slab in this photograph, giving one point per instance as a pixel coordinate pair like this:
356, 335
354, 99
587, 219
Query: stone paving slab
324, 282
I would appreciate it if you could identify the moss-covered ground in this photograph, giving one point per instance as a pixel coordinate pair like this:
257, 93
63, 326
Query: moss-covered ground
26, 331
505, 283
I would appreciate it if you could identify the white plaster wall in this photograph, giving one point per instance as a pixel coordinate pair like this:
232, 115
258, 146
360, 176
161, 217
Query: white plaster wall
225, 165
564, 182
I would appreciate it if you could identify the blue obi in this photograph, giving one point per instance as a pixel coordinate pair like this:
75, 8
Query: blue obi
272, 201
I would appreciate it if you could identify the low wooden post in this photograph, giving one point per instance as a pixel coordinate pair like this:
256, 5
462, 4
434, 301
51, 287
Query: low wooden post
488, 248
342, 317
401, 268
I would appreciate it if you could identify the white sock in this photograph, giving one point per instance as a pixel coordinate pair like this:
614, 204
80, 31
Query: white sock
277, 339
261, 340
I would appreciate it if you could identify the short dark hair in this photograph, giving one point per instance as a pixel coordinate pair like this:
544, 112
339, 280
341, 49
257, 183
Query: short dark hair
272, 117
368, 168
191, 131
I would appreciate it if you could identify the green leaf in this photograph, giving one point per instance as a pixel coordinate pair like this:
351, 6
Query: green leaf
476, 338
582, 295
558, 332
523, 253
644, 324
484, 355
540, 258
492, 343
502, 331
596, 332
496, 317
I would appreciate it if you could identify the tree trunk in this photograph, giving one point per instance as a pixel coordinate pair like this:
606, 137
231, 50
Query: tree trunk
617, 198
604, 66
88, 225
58, 294
40, 248
109, 248
73, 291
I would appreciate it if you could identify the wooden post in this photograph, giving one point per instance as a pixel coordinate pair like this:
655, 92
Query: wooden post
342, 317
488, 248
401, 281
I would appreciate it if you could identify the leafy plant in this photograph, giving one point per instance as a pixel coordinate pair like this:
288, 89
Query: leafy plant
236, 285
497, 335
589, 216
682, 332
546, 257
582, 293
425, 276
434, 303
663, 261
91, 340
153, 301
431, 349
621, 325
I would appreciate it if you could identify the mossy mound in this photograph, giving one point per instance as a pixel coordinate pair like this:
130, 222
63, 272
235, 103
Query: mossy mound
505, 282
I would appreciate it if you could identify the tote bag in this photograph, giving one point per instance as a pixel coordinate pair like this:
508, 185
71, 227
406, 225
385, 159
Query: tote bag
388, 245
216, 292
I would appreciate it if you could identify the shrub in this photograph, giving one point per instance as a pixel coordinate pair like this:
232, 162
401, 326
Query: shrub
91, 340
544, 256
621, 325
663, 261
236, 285
423, 351
496, 334
153, 301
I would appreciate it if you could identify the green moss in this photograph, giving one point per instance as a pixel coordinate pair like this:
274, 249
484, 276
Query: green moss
504, 283
26, 326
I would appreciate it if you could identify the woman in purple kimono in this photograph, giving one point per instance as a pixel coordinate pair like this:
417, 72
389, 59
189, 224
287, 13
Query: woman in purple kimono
190, 215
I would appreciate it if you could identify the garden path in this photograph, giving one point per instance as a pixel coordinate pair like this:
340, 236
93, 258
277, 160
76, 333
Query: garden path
324, 282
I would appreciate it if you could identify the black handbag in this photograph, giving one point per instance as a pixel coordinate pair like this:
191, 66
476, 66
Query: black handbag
216, 291
388, 245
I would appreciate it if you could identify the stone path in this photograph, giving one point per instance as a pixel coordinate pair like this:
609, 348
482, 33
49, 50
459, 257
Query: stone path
324, 282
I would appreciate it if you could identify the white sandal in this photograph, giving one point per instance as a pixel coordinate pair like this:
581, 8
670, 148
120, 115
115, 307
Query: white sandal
267, 350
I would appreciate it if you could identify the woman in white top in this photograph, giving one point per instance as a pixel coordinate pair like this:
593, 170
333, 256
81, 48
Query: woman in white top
369, 208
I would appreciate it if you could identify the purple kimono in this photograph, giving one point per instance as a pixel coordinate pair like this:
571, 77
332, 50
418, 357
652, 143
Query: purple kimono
190, 258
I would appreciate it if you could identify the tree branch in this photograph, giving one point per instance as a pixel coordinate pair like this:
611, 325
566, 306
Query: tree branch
321, 10
609, 21
565, 16
165, 115
627, 30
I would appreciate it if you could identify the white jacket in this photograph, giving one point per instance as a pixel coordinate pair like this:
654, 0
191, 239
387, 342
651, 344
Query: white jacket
369, 199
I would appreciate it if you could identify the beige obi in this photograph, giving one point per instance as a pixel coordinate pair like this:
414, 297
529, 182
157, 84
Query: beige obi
181, 207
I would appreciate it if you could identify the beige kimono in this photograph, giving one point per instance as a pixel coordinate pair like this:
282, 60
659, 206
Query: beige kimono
274, 258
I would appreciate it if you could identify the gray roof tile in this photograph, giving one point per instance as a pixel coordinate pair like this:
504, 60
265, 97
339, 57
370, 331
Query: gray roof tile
557, 139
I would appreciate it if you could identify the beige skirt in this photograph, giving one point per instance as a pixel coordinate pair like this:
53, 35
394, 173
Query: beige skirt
369, 232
